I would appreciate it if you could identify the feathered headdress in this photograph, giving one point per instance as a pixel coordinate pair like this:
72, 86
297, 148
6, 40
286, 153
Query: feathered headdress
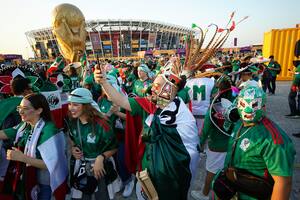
197, 54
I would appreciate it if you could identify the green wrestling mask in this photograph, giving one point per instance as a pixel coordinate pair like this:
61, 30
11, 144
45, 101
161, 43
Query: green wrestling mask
251, 104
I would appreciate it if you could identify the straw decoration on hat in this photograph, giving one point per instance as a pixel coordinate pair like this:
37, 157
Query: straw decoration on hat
196, 53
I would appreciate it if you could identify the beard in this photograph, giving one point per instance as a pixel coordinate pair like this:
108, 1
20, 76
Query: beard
153, 98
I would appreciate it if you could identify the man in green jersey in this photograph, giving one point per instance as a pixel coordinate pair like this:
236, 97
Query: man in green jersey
142, 85
273, 69
167, 145
259, 147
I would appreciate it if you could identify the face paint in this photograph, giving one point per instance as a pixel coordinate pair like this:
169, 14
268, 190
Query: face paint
251, 104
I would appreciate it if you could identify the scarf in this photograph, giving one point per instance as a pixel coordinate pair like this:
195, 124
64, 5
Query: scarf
30, 147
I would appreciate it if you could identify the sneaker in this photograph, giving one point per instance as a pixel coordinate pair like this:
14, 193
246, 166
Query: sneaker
197, 195
128, 188
296, 135
293, 116
290, 115
139, 193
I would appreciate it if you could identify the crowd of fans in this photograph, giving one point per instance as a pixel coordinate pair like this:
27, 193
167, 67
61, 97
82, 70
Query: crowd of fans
87, 130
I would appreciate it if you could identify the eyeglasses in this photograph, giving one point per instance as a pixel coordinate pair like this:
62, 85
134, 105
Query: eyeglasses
23, 109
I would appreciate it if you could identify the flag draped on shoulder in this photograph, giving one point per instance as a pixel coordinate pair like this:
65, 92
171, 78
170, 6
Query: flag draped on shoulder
56, 163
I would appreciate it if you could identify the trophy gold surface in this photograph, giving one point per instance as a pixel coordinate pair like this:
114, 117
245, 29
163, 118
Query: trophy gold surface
68, 25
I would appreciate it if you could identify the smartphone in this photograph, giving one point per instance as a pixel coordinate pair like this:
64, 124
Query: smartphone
98, 62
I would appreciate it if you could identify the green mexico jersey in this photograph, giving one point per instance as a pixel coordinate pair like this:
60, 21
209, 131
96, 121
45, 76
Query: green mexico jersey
140, 87
94, 142
258, 149
273, 65
217, 141
235, 65
105, 106
48, 131
296, 80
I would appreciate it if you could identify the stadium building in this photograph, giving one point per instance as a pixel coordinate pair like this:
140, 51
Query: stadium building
115, 38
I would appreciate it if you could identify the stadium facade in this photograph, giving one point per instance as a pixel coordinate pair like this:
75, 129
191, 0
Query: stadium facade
115, 38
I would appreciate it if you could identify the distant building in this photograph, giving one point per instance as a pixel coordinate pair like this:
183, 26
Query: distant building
11, 58
115, 38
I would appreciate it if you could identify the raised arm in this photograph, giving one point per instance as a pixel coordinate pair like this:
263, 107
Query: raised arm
114, 95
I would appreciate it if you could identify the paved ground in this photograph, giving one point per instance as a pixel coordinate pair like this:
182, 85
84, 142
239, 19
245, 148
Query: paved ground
277, 107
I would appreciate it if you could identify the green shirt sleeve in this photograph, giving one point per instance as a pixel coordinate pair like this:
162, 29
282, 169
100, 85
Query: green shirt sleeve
184, 95
12, 132
136, 109
279, 158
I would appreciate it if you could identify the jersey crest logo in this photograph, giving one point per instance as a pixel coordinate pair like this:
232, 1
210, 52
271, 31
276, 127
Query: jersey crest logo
91, 138
245, 144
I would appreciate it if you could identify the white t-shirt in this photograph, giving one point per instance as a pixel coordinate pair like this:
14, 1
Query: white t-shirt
200, 91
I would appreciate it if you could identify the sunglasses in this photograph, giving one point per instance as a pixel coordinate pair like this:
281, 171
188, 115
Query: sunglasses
23, 109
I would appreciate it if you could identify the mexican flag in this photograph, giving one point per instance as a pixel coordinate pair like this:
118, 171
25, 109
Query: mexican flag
57, 65
84, 61
58, 106
170, 152
85, 71
53, 154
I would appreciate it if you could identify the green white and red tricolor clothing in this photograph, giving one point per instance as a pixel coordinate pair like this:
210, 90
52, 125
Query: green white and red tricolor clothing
46, 143
170, 152
53, 154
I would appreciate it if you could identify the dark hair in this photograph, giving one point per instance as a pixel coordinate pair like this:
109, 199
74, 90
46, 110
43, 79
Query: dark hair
39, 101
182, 83
73, 71
19, 85
271, 57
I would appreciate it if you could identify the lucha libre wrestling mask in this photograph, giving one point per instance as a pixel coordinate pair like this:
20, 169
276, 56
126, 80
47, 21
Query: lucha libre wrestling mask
165, 86
68, 25
251, 104
164, 91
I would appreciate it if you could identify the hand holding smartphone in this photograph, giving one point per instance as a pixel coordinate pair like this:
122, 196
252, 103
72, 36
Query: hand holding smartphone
99, 73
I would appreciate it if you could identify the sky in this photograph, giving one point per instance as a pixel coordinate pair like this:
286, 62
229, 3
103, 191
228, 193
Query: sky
20, 16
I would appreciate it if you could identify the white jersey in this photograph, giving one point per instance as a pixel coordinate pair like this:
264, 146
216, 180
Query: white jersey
200, 91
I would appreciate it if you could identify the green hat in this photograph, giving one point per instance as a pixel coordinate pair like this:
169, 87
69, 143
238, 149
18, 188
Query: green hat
145, 68
89, 80
83, 96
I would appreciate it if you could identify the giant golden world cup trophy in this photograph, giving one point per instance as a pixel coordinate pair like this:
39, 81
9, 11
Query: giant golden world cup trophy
68, 25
